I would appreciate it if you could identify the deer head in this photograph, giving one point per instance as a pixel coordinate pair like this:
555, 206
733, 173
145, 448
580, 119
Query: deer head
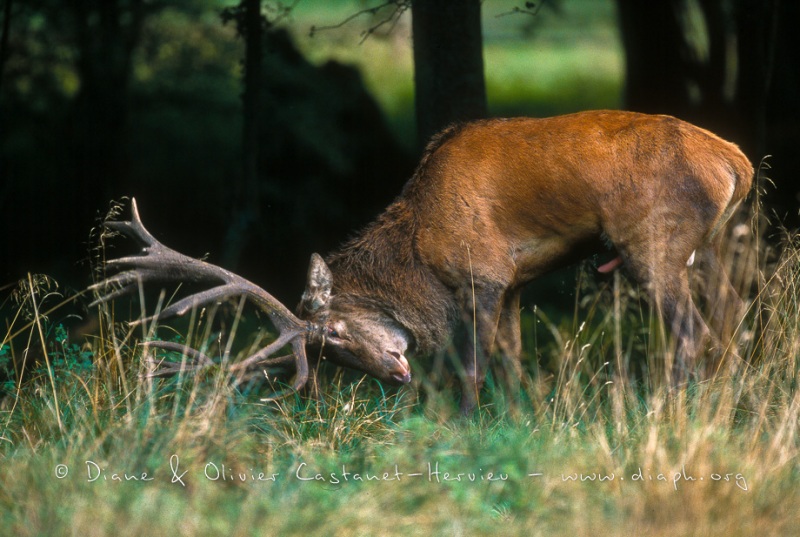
358, 333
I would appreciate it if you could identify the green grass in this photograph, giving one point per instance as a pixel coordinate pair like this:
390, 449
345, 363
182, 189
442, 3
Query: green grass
96, 448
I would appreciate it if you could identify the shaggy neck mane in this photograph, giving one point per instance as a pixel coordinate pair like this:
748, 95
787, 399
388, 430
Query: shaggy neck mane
380, 265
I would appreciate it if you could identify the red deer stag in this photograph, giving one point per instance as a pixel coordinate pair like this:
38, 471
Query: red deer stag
493, 205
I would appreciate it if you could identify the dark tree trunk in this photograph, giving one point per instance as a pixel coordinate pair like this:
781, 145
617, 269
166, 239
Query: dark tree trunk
106, 34
655, 53
666, 70
448, 64
756, 25
246, 194
4, 38
782, 111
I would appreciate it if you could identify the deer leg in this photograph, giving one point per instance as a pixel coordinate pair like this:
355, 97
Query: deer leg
509, 339
670, 292
480, 308
663, 273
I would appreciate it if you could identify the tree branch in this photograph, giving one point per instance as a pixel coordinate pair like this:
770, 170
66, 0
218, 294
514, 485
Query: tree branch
400, 7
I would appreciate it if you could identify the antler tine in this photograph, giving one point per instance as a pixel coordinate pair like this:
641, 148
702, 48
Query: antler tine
134, 228
158, 263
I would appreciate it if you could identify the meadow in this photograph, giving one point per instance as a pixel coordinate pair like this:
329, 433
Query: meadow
592, 441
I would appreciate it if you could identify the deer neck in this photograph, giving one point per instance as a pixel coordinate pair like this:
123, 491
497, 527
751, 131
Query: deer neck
381, 267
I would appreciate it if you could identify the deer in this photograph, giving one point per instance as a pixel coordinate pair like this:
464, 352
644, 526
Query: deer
493, 205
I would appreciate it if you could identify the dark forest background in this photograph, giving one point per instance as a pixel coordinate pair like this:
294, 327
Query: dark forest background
239, 139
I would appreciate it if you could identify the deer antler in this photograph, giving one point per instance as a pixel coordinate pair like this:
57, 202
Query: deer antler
158, 263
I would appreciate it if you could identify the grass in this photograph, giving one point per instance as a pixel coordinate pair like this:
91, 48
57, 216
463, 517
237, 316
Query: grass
92, 447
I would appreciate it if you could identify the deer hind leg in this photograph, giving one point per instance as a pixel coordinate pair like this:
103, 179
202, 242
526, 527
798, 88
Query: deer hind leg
723, 304
509, 340
672, 295
665, 277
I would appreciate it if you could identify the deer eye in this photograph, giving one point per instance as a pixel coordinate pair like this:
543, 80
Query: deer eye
332, 332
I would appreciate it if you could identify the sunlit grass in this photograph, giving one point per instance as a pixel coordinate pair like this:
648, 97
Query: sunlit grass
552, 79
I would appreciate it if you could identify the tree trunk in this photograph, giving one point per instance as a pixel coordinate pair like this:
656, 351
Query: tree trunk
4, 38
246, 196
655, 55
756, 24
448, 64
106, 35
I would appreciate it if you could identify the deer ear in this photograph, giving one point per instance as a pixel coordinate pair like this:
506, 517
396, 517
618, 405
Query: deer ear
318, 285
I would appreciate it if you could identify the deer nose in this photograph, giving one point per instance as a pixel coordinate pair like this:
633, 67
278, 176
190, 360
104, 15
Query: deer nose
402, 373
